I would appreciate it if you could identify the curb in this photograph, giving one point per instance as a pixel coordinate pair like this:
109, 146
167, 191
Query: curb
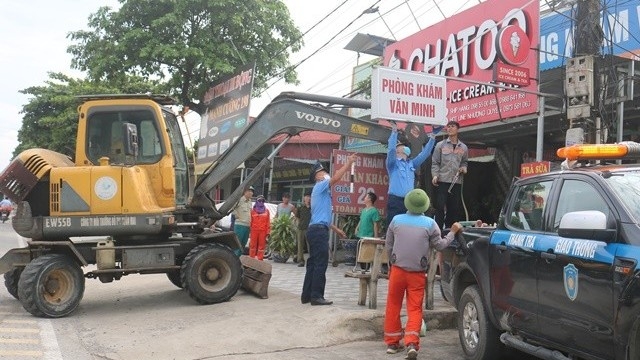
445, 318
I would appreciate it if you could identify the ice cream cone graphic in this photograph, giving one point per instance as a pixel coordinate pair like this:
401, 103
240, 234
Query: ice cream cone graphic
515, 43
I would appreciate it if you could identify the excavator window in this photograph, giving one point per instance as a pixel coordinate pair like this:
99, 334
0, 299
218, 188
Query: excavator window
104, 131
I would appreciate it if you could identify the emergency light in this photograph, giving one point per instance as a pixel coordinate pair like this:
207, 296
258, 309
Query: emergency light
627, 149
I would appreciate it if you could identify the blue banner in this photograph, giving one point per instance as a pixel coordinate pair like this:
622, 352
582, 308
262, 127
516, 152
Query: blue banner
620, 22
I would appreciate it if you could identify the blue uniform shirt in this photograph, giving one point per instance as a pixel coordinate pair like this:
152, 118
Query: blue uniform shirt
402, 172
321, 203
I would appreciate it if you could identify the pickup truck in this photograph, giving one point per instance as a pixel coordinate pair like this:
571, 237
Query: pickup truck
558, 277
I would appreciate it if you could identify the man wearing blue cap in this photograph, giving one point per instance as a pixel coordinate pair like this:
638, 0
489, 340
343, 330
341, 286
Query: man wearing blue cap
318, 232
401, 171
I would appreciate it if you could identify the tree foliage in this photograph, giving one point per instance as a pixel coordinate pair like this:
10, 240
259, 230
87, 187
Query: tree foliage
50, 118
188, 44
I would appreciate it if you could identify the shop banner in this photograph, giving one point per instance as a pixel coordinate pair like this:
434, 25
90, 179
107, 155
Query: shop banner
410, 96
369, 175
226, 116
620, 26
494, 42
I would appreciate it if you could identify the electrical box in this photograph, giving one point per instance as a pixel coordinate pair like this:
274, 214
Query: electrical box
579, 86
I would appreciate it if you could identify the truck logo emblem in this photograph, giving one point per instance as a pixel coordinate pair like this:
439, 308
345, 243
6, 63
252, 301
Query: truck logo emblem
318, 119
570, 275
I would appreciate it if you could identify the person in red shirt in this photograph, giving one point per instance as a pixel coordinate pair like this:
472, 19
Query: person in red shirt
260, 228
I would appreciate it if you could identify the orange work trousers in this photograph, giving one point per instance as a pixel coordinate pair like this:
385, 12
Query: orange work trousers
257, 244
412, 284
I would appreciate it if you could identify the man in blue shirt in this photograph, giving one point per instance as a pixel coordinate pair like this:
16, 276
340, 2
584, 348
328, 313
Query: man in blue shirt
401, 171
318, 233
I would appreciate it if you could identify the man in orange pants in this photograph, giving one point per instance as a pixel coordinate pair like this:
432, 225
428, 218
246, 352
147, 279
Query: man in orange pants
260, 228
409, 239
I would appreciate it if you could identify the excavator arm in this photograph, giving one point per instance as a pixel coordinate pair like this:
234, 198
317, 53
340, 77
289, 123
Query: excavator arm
286, 114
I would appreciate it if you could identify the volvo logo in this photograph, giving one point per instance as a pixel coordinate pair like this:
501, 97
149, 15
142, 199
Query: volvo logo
318, 119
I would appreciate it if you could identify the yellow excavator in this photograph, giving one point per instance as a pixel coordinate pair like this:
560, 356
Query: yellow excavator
128, 187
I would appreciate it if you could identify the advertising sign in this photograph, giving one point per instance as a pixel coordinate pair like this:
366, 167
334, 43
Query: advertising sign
370, 175
493, 42
620, 26
410, 96
534, 168
226, 116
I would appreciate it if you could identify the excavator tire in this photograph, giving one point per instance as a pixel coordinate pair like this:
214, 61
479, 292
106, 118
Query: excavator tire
211, 273
175, 278
51, 286
11, 279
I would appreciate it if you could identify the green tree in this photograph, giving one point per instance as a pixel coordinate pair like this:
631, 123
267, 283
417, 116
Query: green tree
50, 118
188, 44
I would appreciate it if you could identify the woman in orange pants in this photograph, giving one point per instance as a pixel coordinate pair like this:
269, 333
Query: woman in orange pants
260, 228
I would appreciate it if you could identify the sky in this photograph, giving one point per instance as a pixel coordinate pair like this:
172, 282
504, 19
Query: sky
35, 43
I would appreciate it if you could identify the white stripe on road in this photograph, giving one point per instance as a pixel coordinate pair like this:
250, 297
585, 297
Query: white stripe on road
19, 341
19, 330
14, 353
49, 340
10, 321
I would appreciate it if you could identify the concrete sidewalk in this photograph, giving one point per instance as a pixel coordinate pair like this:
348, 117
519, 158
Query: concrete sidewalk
343, 292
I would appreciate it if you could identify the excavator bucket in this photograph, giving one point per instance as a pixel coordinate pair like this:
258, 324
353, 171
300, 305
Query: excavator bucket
256, 276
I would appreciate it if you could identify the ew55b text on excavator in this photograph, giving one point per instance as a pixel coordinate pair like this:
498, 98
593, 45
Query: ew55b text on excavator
129, 183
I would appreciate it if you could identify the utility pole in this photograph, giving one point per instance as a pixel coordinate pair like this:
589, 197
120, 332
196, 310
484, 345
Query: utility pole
582, 80
588, 31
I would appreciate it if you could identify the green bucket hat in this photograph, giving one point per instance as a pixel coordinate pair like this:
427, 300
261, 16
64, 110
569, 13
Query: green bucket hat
416, 201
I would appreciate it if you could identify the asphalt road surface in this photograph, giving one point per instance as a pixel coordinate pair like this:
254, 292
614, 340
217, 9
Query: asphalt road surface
146, 317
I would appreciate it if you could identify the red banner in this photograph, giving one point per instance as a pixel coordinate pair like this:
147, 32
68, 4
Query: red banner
369, 175
495, 34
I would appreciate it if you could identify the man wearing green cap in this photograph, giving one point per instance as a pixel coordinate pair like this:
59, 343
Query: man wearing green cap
409, 239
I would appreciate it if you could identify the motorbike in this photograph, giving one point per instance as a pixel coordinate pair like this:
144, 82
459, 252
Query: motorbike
5, 212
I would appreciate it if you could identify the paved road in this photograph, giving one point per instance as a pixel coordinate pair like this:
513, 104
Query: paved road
146, 317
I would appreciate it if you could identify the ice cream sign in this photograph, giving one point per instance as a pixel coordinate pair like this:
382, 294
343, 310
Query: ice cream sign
513, 45
491, 43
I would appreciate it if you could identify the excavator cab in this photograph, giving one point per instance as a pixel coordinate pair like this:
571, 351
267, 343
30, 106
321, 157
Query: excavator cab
142, 133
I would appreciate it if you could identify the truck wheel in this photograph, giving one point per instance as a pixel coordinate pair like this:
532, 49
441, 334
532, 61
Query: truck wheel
479, 338
211, 273
11, 279
51, 285
174, 277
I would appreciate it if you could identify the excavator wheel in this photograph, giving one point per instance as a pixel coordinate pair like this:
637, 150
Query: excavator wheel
51, 286
175, 278
174, 275
11, 279
211, 273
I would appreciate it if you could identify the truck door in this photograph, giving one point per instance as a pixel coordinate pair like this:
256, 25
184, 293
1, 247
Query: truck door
513, 258
575, 276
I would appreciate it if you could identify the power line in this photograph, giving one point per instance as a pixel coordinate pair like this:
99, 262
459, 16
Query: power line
317, 50
412, 14
312, 27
